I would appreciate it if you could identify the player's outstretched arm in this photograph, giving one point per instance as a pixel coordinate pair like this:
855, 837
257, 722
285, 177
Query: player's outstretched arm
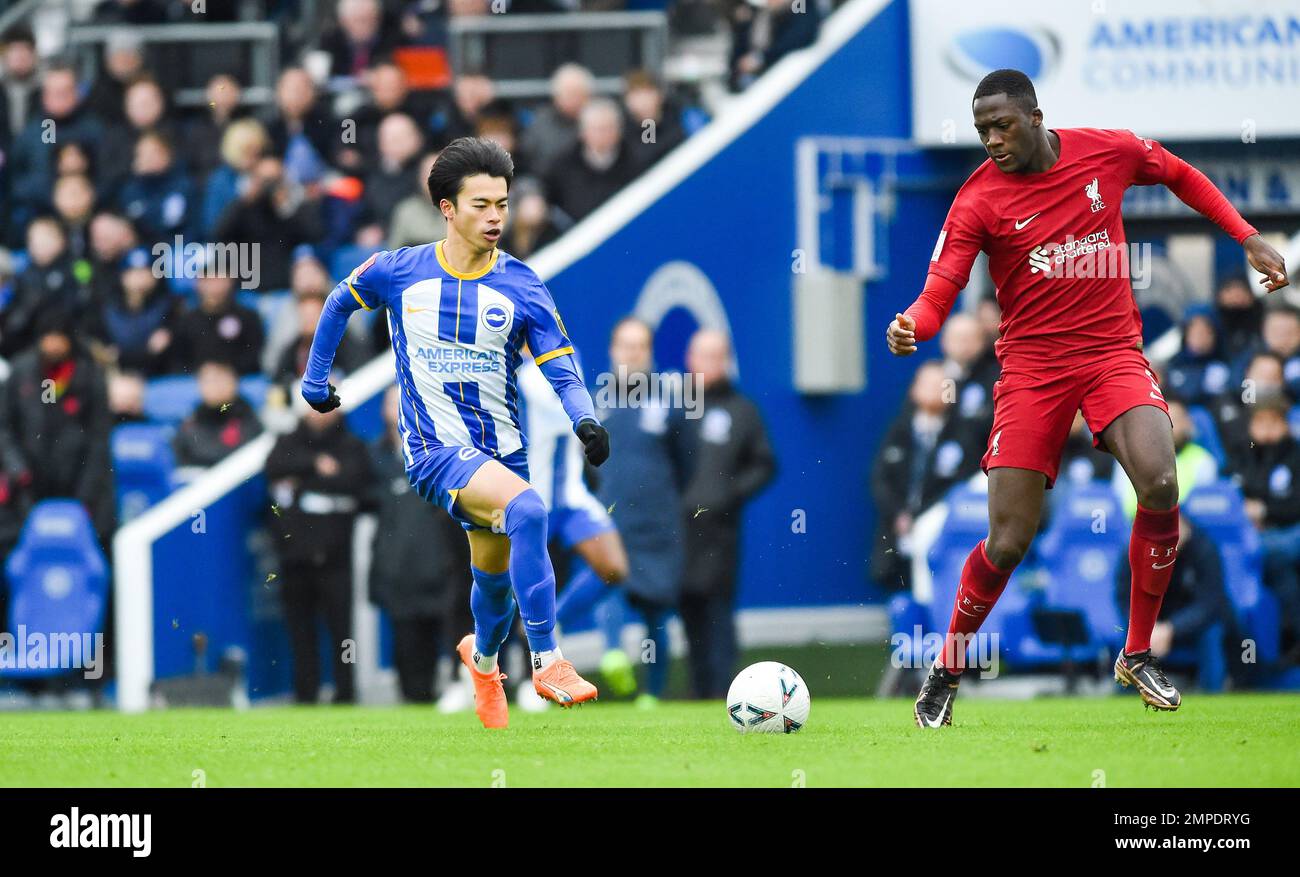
922, 320
563, 376
316, 388
1267, 261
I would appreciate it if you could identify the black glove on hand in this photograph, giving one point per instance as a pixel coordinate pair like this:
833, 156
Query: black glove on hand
595, 441
329, 403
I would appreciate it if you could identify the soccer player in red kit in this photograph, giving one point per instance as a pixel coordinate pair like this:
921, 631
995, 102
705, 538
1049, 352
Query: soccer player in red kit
1045, 207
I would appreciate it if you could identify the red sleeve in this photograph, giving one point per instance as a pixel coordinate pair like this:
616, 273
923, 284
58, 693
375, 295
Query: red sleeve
932, 307
1155, 164
960, 241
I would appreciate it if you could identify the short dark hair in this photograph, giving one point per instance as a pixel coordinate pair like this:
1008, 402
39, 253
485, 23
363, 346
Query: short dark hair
464, 157
1014, 84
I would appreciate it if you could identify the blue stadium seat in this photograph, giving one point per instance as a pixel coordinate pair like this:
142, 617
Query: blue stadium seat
1218, 509
1293, 420
142, 464
58, 580
345, 259
1207, 433
1084, 545
254, 389
170, 399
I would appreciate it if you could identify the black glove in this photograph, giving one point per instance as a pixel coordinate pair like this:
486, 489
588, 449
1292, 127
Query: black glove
595, 441
329, 403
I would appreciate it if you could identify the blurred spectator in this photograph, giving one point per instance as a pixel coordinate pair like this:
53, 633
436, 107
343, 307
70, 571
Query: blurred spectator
970, 364
146, 115
274, 212
123, 64
359, 39
319, 474
112, 236
471, 91
18, 82
1268, 471
157, 196
1280, 335
392, 177
303, 132
74, 202
654, 127
419, 558
417, 221
47, 282
140, 317
1264, 375
222, 422
1195, 613
242, 146
126, 397
497, 123
219, 329
531, 224
1240, 313
31, 162
731, 461
553, 134
1198, 373
206, 132
765, 31
926, 451
597, 167
643, 484
55, 422
389, 93
293, 360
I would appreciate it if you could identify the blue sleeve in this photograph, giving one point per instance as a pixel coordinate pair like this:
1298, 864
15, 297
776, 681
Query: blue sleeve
547, 338
568, 385
366, 287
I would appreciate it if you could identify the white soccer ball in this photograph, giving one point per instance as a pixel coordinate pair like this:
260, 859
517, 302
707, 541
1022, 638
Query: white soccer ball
768, 698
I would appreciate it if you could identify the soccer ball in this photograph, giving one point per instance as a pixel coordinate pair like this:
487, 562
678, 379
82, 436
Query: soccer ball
768, 698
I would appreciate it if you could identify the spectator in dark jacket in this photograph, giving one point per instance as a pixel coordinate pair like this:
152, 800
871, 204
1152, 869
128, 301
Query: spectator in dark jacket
319, 475
654, 128
223, 421
49, 281
55, 422
19, 82
360, 39
1240, 313
417, 566
292, 364
145, 112
158, 197
204, 136
303, 132
926, 451
123, 64
1264, 376
74, 203
597, 167
553, 134
1198, 374
1267, 469
765, 31
140, 319
731, 460
392, 176
971, 369
219, 328
276, 214
1280, 336
1196, 613
642, 486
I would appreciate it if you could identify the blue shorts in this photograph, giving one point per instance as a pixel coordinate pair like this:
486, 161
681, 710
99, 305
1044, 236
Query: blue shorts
440, 476
574, 525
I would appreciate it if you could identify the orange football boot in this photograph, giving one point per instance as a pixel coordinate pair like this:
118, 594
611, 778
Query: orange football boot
489, 694
561, 683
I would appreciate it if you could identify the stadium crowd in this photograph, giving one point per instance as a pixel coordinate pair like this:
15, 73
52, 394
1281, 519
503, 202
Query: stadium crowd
1233, 385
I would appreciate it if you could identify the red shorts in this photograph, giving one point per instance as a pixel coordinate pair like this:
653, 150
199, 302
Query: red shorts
1034, 408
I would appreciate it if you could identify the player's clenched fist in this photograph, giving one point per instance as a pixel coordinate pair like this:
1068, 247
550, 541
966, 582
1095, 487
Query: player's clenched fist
595, 441
901, 335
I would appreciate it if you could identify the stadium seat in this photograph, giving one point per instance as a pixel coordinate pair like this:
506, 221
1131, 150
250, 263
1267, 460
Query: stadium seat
170, 399
1084, 543
1293, 420
58, 580
1207, 433
254, 388
142, 464
1219, 510
267, 305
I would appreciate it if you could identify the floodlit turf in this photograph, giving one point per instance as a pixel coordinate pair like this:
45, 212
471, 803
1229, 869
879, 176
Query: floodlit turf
1246, 740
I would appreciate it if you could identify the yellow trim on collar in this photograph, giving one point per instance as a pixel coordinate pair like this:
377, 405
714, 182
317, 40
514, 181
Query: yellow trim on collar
446, 266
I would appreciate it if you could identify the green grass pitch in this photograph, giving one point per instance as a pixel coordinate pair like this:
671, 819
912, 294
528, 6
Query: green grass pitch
1242, 740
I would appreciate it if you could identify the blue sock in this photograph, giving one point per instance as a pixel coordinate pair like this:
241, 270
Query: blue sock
583, 592
530, 569
493, 607
611, 615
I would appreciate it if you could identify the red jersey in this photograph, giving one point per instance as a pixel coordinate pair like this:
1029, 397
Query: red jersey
1056, 245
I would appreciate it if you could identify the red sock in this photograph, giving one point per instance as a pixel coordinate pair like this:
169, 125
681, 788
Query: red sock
1152, 550
981, 585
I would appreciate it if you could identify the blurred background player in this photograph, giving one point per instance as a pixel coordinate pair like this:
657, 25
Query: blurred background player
1070, 341
578, 522
459, 311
